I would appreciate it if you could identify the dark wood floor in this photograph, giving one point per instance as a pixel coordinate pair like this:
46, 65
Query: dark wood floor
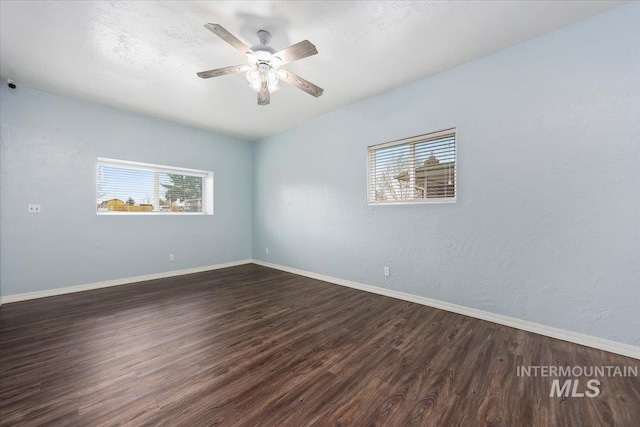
253, 346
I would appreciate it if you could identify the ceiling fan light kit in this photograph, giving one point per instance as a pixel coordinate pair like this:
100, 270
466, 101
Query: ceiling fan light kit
263, 64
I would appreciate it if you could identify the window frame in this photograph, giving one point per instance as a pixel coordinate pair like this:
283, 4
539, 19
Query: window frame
413, 140
207, 187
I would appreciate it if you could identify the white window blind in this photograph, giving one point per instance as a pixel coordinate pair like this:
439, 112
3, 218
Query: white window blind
125, 187
420, 169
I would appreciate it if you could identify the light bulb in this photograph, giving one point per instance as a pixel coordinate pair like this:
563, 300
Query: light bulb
256, 85
273, 86
275, 62
252, 59
271, 76
281, 74
252, 75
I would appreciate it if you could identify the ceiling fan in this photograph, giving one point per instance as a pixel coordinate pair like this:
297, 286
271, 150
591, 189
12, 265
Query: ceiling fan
263, 69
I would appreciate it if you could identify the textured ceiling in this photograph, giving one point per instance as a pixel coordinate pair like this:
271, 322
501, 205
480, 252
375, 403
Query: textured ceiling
142, 56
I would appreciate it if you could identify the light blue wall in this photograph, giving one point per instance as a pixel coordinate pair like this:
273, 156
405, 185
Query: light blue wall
49, 149
547, 223
546, 227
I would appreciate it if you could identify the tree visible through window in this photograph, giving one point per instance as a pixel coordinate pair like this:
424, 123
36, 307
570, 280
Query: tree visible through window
184, 189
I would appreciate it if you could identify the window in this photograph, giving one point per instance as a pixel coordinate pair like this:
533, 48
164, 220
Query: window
139, 188
421, 169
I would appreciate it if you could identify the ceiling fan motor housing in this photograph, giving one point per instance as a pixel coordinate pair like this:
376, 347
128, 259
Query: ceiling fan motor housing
263, 48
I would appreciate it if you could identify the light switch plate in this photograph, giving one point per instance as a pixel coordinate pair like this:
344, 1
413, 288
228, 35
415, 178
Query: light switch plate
34, 208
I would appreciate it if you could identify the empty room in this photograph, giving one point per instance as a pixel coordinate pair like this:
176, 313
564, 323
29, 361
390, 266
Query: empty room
320, 213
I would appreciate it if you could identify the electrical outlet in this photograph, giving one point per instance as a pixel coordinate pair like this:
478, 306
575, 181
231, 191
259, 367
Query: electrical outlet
386, 271
266, 250
170, 257
34, 208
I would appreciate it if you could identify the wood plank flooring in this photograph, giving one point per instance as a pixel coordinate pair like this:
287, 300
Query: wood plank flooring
252, 346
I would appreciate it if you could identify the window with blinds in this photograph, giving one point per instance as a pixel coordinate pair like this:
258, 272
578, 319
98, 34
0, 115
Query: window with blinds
125, 187
421, 169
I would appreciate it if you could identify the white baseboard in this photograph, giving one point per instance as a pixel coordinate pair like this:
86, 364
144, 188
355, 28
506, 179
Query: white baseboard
536, 328
549, 331
117, 282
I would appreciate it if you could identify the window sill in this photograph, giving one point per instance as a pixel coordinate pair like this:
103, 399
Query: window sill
152, 213
415, 202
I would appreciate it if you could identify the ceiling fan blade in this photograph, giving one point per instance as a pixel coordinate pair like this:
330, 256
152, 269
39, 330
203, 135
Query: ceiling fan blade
301, 83
297, 51
222, 71
228, 37
263, 96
